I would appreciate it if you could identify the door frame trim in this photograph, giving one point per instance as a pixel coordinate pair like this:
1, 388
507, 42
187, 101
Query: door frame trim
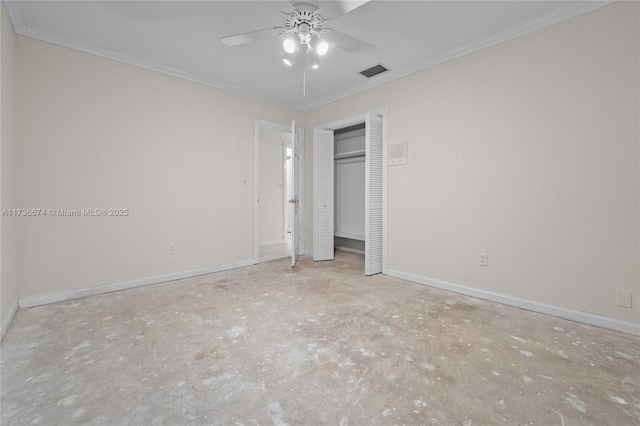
257, 125
360, 118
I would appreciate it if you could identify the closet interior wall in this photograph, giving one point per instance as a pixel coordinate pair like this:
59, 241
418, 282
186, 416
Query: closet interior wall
350, 152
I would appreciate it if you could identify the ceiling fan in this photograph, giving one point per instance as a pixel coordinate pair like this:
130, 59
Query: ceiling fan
304, 29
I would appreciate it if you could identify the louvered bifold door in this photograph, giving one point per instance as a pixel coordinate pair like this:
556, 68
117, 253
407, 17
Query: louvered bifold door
323, 228
373, 195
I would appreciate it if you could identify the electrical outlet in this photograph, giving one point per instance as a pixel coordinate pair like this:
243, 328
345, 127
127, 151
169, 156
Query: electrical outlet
623, 298
484, 259
172, 249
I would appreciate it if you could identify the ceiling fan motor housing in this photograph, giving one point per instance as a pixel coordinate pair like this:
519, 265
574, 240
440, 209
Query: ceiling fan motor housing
305, 21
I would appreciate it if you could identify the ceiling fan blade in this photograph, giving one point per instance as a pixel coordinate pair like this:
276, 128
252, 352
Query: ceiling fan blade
333, 9
350, 44
243, 38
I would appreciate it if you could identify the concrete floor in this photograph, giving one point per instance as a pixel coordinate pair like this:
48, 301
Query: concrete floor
319, 344
275, 251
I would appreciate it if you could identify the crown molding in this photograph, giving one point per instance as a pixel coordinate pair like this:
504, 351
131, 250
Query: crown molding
569, 11
15, 16
563, 14
24, 30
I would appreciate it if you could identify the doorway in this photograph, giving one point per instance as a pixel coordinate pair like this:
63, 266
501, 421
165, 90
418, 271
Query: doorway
275, 223
325, 203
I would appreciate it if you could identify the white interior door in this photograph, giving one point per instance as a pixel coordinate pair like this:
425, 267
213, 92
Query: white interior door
373, 195
323, 196
294, 202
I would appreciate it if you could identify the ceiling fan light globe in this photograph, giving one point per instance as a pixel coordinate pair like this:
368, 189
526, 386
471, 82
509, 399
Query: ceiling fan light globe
289, 45
322, 48
287, 60
313, 61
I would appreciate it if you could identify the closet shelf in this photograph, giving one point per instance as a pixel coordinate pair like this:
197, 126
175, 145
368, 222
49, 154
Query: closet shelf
350, 154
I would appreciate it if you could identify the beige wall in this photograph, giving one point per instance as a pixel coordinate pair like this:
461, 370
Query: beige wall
8, 296
527, 151
271, 208
96, 133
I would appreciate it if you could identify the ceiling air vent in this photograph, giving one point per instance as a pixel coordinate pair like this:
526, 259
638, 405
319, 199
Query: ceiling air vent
374, 70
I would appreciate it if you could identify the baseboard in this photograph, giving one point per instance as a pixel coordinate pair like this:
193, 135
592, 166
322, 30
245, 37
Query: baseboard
6, 321
30, 302
556, 311
271, 243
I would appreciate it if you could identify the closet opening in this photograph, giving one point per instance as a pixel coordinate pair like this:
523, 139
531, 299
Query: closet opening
349, 188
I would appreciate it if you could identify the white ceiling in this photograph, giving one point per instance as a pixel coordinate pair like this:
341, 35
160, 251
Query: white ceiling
182, 38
